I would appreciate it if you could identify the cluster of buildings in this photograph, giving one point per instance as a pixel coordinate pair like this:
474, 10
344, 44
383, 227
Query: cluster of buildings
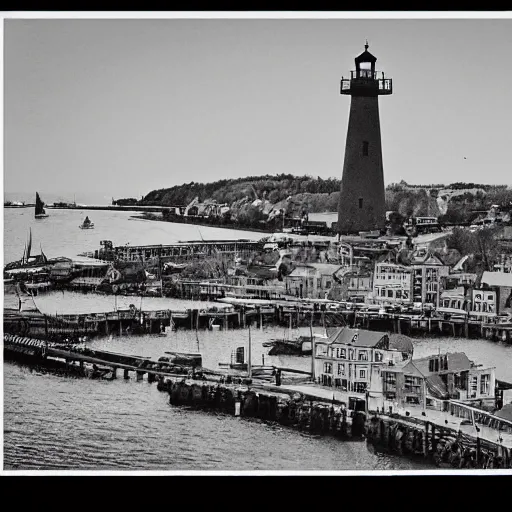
382, 368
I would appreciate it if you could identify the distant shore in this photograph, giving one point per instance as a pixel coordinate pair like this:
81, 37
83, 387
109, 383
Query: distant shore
192, 220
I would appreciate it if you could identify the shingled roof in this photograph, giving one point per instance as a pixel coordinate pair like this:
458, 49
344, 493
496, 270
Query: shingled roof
457, 362
357, 337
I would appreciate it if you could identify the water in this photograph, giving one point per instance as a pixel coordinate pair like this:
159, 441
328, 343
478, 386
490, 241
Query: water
54, 422
59, 234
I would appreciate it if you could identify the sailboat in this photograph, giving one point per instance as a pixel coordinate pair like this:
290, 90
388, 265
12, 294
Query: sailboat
87, 224
27, 260
40, 211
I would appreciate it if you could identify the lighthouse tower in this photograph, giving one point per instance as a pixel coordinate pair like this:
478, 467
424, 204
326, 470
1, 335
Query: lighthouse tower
362, 202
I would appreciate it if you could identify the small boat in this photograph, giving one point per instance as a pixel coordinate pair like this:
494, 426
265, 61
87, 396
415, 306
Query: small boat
193, 359
28, 263
300, 346
87, 224
40, 212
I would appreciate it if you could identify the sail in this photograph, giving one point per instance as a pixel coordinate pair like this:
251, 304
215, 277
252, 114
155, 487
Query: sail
29, 246
39, 205
43, 255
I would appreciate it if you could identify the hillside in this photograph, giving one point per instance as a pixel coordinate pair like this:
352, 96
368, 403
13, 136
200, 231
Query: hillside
315, 191
257, 199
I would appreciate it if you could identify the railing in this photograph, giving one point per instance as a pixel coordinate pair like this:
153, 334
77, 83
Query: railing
384, 85
367, 73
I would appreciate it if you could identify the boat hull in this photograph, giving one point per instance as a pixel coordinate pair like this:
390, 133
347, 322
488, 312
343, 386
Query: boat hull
40, 215
87, 227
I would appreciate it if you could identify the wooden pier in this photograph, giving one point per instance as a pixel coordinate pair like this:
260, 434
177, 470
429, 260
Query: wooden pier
485, 443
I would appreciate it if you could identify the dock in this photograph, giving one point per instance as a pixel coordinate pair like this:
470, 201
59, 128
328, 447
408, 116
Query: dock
459, 436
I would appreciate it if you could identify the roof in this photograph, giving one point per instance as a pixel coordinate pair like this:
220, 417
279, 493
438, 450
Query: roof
366, 56
356, 337
457, 362
323, 269
401, 343
407, 368
497, 279
505, 412
436, 386
418, 258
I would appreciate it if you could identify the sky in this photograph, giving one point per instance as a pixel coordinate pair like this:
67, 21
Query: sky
117, 108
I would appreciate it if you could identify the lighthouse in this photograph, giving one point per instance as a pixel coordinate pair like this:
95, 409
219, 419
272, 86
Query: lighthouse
362, 202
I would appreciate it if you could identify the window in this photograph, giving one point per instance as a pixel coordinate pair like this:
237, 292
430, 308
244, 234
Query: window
474, 387
365, 147
363, 355
341, 369
360, 202
362, 374
351, 353
390, 293
433, 365
390, 378
485, 381
319, 283
378, 357
360, 387
327, 367
328, 284
412, 384
343, 353
399, 294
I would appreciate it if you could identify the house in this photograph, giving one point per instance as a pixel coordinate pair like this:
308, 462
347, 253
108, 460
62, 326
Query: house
428, 271
454, 298
392, 282
351, 358
401, 384
501, 284
430, 381
312, 280
483, 301
351, 284
453, 375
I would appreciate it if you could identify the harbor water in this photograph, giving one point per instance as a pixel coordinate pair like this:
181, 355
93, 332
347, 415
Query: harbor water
57, 422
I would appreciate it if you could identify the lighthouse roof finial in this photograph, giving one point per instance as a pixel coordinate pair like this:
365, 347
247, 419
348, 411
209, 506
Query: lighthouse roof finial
366, 45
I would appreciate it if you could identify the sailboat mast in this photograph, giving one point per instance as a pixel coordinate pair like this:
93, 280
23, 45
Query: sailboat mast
312, 349
29, 247
249, 366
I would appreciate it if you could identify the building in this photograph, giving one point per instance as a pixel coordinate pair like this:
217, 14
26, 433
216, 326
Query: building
454, 299
392, 283
430, 381
313, 280
417, 280
428, 271
350, 358
453, 375
362, 200
353, 284
499, 284
402, 384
